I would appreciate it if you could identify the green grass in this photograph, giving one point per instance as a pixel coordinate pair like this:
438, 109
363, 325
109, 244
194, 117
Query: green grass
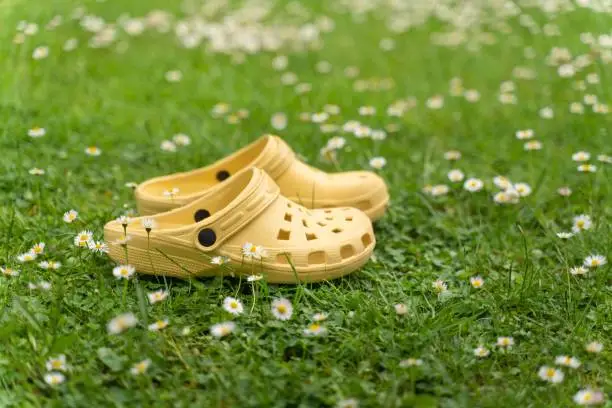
121, 103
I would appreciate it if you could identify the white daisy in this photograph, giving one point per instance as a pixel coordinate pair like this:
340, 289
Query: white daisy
37, 132
168, 146
319, 117
523, 189
452, 155
564, 191
121, 323
319, 317
282, 309
38, 248
219, 260
337, 142
578, 270
581, 156
124, 220
551, 374
524, 134
315, 329
157, 296
140, 367
222, 329
505, 342
278, 121
70, 216
567, 361
594, 347
588, 397
35, 171
439, 286
587, 168
595, 261
123, 271
533, 145
148, 224
254, 278
173, 192
477, 282
181, 139
439, 190
411, 362
82, 238
253, 251
49, 265
581, 223
99, 247
233, 305
93, 151
174, 76
158, 325
502, 182
481, 351
401, 309
26, 257
378, 162
473, 185
367, 110
6, 271
56, 363
604, 158
40, 52
54, 378
455, 175
565, 235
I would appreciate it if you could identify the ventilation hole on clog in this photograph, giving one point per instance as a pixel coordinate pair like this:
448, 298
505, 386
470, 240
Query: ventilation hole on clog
200, 215
337, 230
347, 251
222, 175
282, 258
309, 213
363, 205
321, 223
305, 223
310, 236
288, 205
207, 237
316, 258
283, 235
300, 209
327, 211
366, 239
329, 218
349, 218
288, 217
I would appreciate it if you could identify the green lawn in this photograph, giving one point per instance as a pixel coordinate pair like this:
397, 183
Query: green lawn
111, 91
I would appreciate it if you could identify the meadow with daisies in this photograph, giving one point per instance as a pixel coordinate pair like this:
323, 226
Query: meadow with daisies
490, 121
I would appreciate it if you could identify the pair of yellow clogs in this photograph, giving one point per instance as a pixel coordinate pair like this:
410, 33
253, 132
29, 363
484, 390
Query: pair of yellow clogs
259, 211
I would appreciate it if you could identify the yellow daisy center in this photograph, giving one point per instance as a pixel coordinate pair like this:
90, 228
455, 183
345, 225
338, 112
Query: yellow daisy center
282, 309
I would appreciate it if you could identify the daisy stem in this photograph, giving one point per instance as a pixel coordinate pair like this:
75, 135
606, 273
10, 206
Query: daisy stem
149, 253
125, 287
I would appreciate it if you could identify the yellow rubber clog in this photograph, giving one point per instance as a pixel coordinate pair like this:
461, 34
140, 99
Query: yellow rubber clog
298, 181
247, 223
